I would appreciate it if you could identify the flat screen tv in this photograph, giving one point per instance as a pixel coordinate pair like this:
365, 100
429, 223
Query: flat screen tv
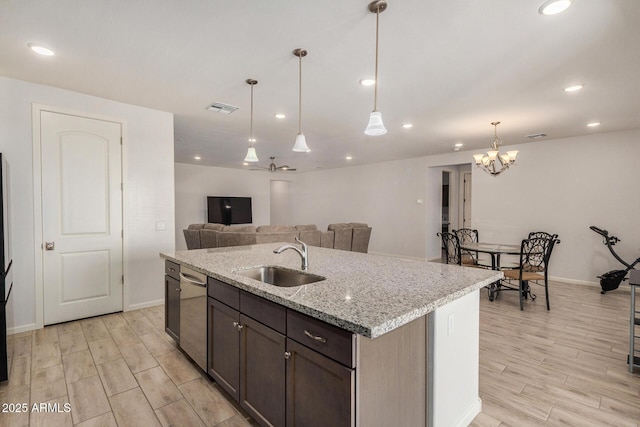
229, 210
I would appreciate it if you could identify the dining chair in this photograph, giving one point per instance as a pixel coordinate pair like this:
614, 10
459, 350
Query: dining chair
467, 235
535, 254
453, 254
542, 235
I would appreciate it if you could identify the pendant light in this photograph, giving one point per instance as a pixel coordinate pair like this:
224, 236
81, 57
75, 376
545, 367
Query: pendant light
251, 152
301, 142
375, 126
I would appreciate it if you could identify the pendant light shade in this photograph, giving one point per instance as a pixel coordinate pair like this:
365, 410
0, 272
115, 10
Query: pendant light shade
251, 152
301, 142
251, 155
375, 126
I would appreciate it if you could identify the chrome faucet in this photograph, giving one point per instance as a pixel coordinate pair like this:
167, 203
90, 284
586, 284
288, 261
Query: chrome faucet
304, 254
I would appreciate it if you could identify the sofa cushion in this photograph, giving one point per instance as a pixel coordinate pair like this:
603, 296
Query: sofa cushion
358, 225
289, 237
195, 226
326, 239
306, 227
226, 238
213, 226
339, 225
192, 238
360, 240
208, 238
275, 229
311, 237
240, 228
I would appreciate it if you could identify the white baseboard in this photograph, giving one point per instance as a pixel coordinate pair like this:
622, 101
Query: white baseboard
144, 305
470, 414
23, 328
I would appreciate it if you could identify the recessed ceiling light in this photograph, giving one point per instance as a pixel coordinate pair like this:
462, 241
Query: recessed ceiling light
458, 144
41, 50
251, 140
197, 157
593, 124
280, 116
573, 88
456, 148
407, 125
552, 7
349, 158
367, 82
245, 164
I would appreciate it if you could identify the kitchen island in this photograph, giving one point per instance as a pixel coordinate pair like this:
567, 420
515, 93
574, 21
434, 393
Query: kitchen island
411, 330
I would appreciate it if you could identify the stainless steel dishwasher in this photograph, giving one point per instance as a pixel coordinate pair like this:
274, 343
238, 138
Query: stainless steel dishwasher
193, 315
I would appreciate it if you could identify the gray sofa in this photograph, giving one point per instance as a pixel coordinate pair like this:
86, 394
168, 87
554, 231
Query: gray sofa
345, 236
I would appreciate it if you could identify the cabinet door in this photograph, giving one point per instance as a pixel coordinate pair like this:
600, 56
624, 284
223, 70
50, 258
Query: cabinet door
172, 307
262, 372
320, 391
224, 346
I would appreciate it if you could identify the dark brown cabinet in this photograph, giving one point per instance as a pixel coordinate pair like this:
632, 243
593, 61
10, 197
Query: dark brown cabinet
172, 300
262, 372
224, 346
283, 367
320, 391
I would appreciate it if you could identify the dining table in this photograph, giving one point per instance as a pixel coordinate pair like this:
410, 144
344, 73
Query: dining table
495, 250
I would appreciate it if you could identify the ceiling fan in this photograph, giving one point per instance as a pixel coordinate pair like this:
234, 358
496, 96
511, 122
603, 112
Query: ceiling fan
273, 168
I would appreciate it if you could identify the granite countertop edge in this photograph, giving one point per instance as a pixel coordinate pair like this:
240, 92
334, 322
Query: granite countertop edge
284, 296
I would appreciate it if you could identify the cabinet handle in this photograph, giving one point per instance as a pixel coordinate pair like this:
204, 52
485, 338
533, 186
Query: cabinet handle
178, 290
287, 355
172, 269
315, 337
238, 326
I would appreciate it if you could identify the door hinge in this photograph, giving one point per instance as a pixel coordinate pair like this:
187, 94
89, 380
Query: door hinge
121, 186
120, 140
122, 233
123, 279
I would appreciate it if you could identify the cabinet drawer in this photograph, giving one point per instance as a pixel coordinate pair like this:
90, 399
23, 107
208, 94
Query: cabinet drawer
326, 339
224, 293
264, 311
172, 269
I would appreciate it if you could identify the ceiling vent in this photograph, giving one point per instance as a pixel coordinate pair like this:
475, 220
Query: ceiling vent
536, 135
219, 107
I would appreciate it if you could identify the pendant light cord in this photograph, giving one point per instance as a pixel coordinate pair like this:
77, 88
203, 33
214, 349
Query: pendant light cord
251, 122
300, 94
375, 89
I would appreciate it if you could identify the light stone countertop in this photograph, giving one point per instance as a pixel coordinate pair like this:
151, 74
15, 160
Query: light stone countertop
363, 293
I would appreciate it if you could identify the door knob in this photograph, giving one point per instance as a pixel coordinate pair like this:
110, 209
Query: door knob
49, 245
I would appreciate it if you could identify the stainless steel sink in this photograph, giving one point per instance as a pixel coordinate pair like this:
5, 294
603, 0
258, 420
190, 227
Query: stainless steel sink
279, 276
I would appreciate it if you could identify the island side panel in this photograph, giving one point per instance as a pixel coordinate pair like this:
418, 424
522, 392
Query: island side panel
391, 381
454, 331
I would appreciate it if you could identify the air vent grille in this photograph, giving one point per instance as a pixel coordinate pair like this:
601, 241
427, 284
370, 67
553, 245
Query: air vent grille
220, 107
536, 135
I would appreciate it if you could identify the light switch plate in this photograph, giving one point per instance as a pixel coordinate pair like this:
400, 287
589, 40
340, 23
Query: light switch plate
161, 225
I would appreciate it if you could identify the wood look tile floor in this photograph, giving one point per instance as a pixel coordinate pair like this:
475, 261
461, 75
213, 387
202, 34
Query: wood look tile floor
564, 367
115, 370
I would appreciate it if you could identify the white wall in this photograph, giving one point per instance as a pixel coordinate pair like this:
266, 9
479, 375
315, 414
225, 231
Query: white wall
282, 207
561, 185
194, 183
383, 195
149, 195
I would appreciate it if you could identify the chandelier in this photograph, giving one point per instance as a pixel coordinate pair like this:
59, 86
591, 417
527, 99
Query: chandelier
493, 162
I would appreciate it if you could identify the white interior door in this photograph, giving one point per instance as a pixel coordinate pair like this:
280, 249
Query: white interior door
466, 208
81, 216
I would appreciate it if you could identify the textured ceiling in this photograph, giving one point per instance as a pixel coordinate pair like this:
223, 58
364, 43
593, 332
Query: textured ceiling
448, 67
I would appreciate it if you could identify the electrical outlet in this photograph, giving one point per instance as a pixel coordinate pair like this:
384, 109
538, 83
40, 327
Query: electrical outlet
161, 225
